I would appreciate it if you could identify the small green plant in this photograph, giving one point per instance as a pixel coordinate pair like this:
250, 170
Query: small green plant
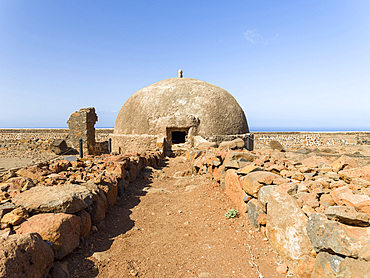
231, 213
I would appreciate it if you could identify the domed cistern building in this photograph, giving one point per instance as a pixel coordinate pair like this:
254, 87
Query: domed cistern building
177, 111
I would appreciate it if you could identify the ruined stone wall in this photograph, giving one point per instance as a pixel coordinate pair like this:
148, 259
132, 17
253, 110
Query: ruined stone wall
81, 126
61, 210
308, 210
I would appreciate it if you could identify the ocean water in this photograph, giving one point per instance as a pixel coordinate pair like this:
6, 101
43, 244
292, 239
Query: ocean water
305, 129
251, 129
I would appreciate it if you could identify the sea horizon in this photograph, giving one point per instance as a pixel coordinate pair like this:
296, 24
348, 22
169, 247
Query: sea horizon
255, 129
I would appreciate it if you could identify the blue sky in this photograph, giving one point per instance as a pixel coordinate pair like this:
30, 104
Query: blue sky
290, 64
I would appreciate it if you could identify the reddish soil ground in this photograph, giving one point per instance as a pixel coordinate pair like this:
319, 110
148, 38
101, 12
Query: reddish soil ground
174, 226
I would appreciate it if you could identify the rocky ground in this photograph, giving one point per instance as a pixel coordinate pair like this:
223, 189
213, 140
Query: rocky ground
171, 222
313, 204
27, 153
168, 223
174, 225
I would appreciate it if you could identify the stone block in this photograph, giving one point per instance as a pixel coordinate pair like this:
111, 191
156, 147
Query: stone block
308, 210
66, 198
305, 266
60, 165
361, 183
110, 189
288, 187
231, 164
327, 199
62, 230
316, 162
14, 217
337, 192
242, 162
359, 202
58, 146
286, 230
344, 162
34, 175
5, 208
234, 190
264, 195
351, 268
326, 265
206, 145
217, 173
249, 168
252, 182
347, 215
275, 145
23, 256
349, 174
237, 143
309, 199
241, 154
254, 208
98, 209
85, 223
334, 237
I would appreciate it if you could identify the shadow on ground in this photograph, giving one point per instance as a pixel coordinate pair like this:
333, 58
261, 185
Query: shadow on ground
116, 223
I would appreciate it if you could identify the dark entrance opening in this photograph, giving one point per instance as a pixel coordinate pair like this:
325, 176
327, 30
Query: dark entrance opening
178, 137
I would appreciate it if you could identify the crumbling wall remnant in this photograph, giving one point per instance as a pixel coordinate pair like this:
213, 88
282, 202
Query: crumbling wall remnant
81, 126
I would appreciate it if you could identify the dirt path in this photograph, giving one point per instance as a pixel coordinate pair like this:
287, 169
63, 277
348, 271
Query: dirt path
173, 226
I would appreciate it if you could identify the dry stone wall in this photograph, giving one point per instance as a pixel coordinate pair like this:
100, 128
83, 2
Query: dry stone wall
59, 203
314, 210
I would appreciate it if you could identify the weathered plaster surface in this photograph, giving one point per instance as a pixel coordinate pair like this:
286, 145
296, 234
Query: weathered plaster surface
183, 103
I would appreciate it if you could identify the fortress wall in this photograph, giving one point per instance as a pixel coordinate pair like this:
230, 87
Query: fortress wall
288, 139
10, 134
302, 139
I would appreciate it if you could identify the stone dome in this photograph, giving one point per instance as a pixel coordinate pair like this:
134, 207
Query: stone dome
181, 103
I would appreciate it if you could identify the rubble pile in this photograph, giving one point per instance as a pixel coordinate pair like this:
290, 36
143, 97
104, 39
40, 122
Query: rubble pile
314, 209
47, 209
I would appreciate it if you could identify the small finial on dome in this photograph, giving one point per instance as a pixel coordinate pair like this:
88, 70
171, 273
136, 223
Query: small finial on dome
180, 73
